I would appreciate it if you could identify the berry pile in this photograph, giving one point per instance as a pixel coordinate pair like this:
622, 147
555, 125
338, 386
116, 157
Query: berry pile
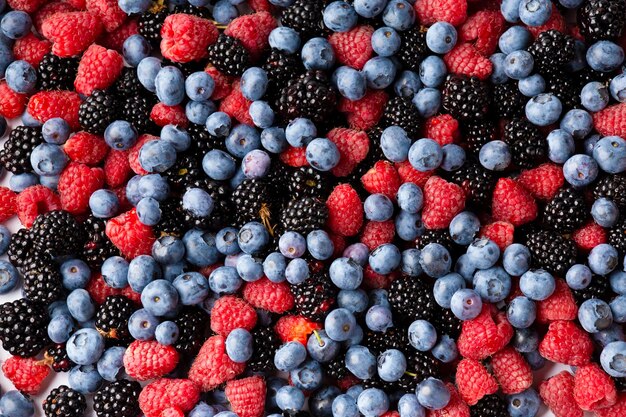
313, 208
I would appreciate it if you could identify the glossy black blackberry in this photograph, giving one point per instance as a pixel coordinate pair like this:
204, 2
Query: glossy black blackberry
305, 16
565, 87
15, 154
489, 406
23, 327
186, 169
136, 111
551, 51
202, 141
192, 323
253, 200
336, 367
446, 322
128, 85
588, 74
420, 365
393, 338
507, 101
21, 249
612, 187
527, 145
411, 299
602, 19
98, 111
172, 221
187, 8
599, 288
266, 342
400, 111
56, 357
42, 281
412, 48
151, 22
308, 182
222, 209
229, 56
565, 212
112, 318
441, 236
280, 68
466, 98
478, 132
551, 251
98, 247
56, 73
118, 399
278, 179
64, 402
309, 95
476, 181
617, 236
187, 68
315, 297
57, 233
303, 215
620, 384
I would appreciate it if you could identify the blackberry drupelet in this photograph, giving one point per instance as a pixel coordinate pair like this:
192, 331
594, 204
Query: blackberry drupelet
23, 327
192, 323
98, 111
128, 85
98, 247
253, 201
266, 342
202, 141
151, 22
308, 182
565, 212
400, 111
446, 322
42, 281
599, 288
118, 399
612, 187
56, 357
278, 179
15, 154
411, 299
21, 250
420, 365
56, 73
57, 233
229, 56
315, 297
478, 132
187, 8
112, 318
309, 95
441, 236
620, 384
412, 48
551, 251
602, 19
565, 87
617, 236
172, 221
377, 382
507, 101
527, 146
136, 111
588, 74
489, 406
64, 402
476, 181
393, 338
186, 169
221, 214
280, 68
336, 367
303, 215
466, 97
551, 51
305, 17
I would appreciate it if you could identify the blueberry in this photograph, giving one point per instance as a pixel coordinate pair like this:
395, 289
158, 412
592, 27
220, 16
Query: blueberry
80, 305
618, 309
354, 300
148, 211
135, 49
580, 170
111, 363
535, 12
433, 394
120, 135
617, 87
219, 165
617, 280
284, 39
379, 72
60, 328
590, 143
339, 324
198, 111
16, 404
218, 124
577, 123
446, 286
225, 280
21, 77
560, 146
595, 315
319, 245
518, 64
360, 362
441, 37
594, 96
262, 114
147, 71
292, 245
200, 248
453, 157
410, 197
346, 274
142, 325
483, 253
495, 155
544, 109
317, 54
192, 288
385, 258
610, 154
15, 24
134, 6
104, 204
369, 8
115, 272
532, 85
48, 159
322, 154
20, 182
464, 227
521, 312
391, 365
612, 359
8, 277
516, 259
307, 376
378, 318
386, 42
605, 212
85, 346
350, 83
516, 38
525, 340
395, 144
465, 268
400, 15
153, 185
605, 56
5, 239
354, 391
176, 136
427, 101
273, 140
242, 139
407, 84
378, 207
344, 405
274, 267
466, 304
422, 335
603, 259
167, 333
408, 226
159, 297
224, 12
170, 86
408, 406
432, 71
249, 269
289, 356
537, 284
535, 360
202, 409
157, 156
168, 250
290, 398
300, 131
340, 16
435, 260
524, 404
321, 347
239, 345
445, 350
510, 10
85, 379
498, 75
425, 155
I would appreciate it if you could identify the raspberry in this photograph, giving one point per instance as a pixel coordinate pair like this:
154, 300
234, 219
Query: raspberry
512, 371
374, 280
98, 69
294, 157
26, 374
611, 121
133, 154
186, 37
353, 146
28, 6
253, 31
593, 388
12, 104
129, 235
31, 49
128, 292
442, 201
456, 407
46, 105
48, 10
500, 232
115, 40
223, 83
99, 290
86, 148
589, 236
71, 32
409, 174
339, 244
163, 115
246, 396
465, 59
559, 306
298, 328
444, 129
616, 410
168, 393
212, 366
148, 359
542, 182
35, 200
345, 211
261, 5
483, 29
267, 295
556, 21
451, 11
237, 106
108, 11
382, 178
512, 203
558, 394
484, 335
229, 313
566, 343
364, 113
76, 184
473, 381
172, 412
8, 204
377, 233
77, 4
353, 48
116, 168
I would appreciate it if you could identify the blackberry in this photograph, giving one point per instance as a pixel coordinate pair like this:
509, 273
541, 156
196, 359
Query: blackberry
400, 111
441, 236
489, 406
220, 216
42, 281
56, 73
303, 215
565, 212
305, 17
527, 146
565, 87
118, 399
617, 236
202, 141
477, 133
551, 51
192, 323
23, 327
599, 288
466, 97
98, 111
446, 322
476, 181
420, 365
112, 318
21, 250
551, 251
151, 22
229, 56
57, 233
336, 367
308, 182
128, 84
97, 247
620, 384
266, 342
309, 95
411, 299
56, 357
64, 402
612, 187
412, 48
172, 221
187, 168
190, 9
508, 101
378, 342
588, 74
15, 154
280, 67
315, 297
136, 111
253, 201
602, 19
278, 180
187, 68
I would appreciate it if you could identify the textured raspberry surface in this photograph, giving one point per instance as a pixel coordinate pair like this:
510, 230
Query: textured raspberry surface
31, 49
353, 147
500, 232
382, 178
26, 374
116, 168
442, 201
466, 60
172, 412
611, 121
556, 22
484, 335
35, 200
76, 184
12, 104
148, 359
28, 6
115, 40
99, 290
339, 244
133, 154
108, 11
294, 157
543, 182
559, 306
186, 37
267, 295
372, 279
616, 410
353, 48
483, 29
456, 406
253, 31
511, 371
98, 69
168, 393
363, 114
129, 235
261, 5
345, 211
212, 366
8, 204
474, 381
46, 105
71, 32
558, 394
237, 106
375, 234
247, 396
86, 148
512, 203
451, 11
77, 4
443, 128
298, 328
223, 83
409, 174
589, 236
229, 313
48, 10
593, 388
163, 115
566, 343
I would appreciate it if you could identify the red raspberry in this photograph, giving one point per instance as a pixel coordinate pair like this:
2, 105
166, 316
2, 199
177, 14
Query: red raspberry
589, 236
382, 178
133, 296
26, 374
77, 4
442, 201
133, 154
611, 121
512, 203
229, 313
72, 32
129, 235
46, 105
108, 12
409, 174
593, 388
212, 366
115, 40
466, 60
456, 407
484, 335
543, 182
35, 200
31, 49
512, 371
253, 32
353, 48
339, 244
237, 106
163, 115
48, 10
172, 412
451, 11
377, 233
246, 396
616, 410
345, 211
559, 306
86, 148
500, 232
116, 168
148, 359
223, 83
353, 146
267, 295
483, 29
365, 113
558, 394
391, 414
8, 204
28, 6
186, 37
12, 104
444, 129
566, 343
98, 69
294, 157
556, 21
374, 280
76, 184
168, 393
99, 290
261, 5
298, 328
474, 381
